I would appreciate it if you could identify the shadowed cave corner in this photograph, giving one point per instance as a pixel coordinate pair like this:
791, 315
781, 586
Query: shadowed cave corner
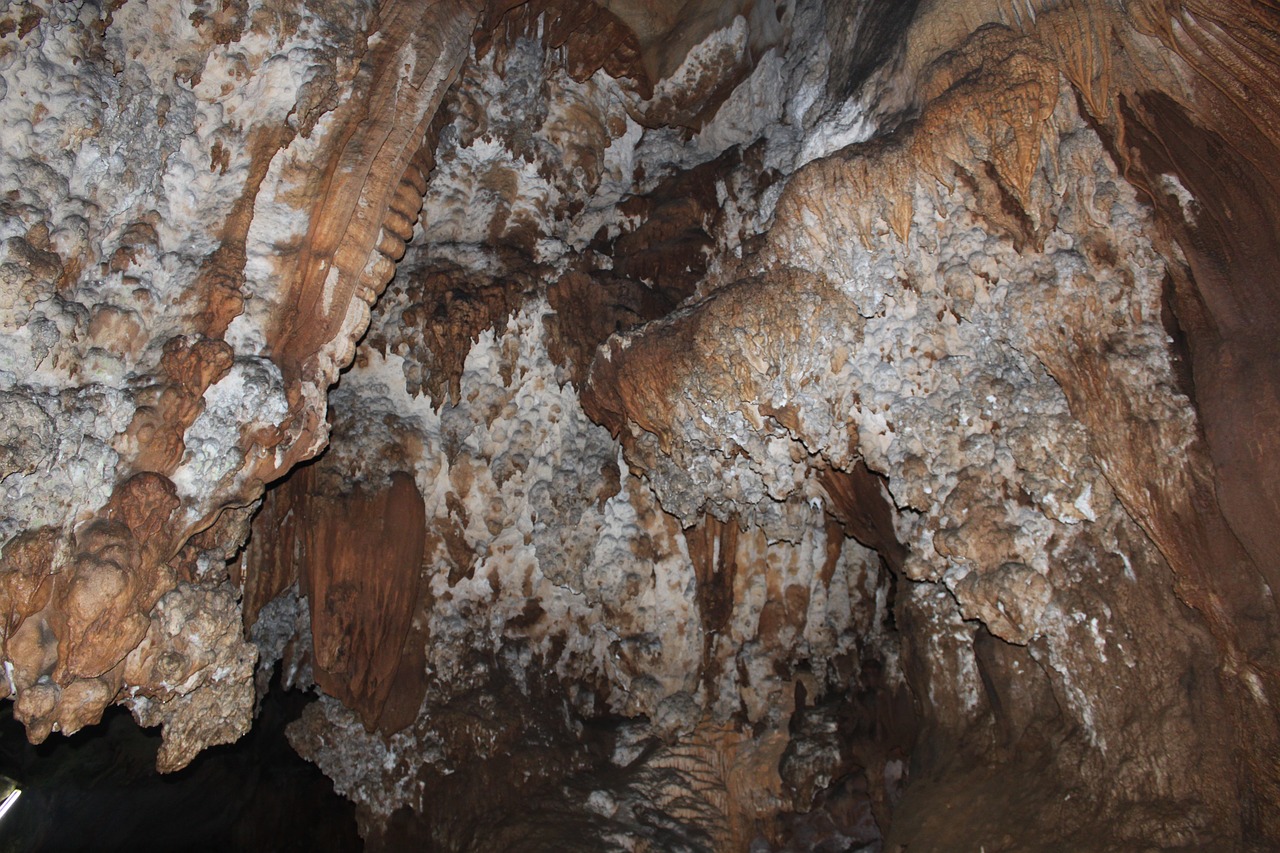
98, 790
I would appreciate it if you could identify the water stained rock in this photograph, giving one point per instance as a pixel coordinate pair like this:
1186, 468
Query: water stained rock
656, 426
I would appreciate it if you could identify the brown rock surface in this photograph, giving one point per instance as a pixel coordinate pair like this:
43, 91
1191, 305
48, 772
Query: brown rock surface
142, 407
779, 426
361, 560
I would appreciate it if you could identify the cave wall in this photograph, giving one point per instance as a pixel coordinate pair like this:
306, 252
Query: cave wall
826, 392
1001, 327
185, 270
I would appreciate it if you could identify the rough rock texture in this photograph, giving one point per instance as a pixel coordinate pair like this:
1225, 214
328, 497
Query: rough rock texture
933, 334
779, 426
163, 166
547, 565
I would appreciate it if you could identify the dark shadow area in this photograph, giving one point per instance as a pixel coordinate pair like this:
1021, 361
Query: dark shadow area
98, 790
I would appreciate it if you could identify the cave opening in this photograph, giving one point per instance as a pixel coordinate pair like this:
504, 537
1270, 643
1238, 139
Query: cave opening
99, 789
775, 425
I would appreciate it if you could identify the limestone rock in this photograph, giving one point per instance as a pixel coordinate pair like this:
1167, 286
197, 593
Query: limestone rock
150, 378
745, 426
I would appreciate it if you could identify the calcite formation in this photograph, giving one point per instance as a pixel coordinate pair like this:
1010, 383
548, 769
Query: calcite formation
658, 426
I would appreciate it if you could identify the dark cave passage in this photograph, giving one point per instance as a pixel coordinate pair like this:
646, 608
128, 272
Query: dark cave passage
98, 790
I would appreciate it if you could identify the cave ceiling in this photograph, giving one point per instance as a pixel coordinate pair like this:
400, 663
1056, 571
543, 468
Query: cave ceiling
658, 425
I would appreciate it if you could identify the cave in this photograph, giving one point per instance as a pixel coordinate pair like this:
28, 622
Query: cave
640, 425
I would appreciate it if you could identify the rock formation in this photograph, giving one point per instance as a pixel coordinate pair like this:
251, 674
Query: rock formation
658, 426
